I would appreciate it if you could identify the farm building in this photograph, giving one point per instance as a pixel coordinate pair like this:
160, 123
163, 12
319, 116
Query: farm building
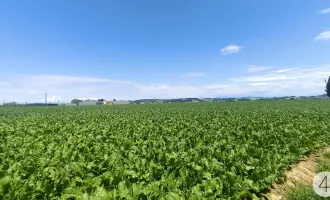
85, 103
115, 102
120, 102
107, 102
70, 104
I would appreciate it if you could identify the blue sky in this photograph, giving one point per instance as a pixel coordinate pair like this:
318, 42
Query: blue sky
162, 49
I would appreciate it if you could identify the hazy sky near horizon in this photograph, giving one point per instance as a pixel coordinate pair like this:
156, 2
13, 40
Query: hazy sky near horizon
162, 49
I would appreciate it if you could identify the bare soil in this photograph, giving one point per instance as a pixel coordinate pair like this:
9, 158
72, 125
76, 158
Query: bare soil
301, 173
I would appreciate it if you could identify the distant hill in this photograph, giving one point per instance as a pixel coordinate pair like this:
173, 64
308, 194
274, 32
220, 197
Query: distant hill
194, 99
323, 95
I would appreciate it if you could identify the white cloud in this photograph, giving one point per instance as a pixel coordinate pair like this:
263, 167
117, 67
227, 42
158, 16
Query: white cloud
288, 74
259, 84
253, 68
32, 91
212, 87
4, 83
194, 75
323, 36
285, 70
289, 81
17, 87
231, 49
53, 98
276, 82
325, 11
65, 79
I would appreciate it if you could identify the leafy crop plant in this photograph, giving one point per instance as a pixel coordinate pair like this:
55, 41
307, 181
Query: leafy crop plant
231, 150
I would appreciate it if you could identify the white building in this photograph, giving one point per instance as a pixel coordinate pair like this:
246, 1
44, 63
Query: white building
120, 102
85, 103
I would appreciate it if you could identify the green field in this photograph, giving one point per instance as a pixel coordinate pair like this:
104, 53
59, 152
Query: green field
162, 151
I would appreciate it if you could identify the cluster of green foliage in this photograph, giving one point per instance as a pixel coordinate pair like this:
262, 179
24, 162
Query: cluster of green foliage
76, 101
303, 192
11, 104
227, 150
327, 87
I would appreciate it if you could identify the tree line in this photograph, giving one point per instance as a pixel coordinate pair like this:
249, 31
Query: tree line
77, 101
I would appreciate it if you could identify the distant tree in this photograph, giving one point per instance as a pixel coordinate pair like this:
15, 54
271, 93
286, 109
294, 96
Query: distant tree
76, 101
11, 104
327, 88
114, 99
100, 100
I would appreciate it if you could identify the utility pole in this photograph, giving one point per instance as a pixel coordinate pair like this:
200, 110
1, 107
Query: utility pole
46, 98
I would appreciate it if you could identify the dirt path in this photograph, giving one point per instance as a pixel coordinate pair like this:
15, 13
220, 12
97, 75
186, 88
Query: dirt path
303, 172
